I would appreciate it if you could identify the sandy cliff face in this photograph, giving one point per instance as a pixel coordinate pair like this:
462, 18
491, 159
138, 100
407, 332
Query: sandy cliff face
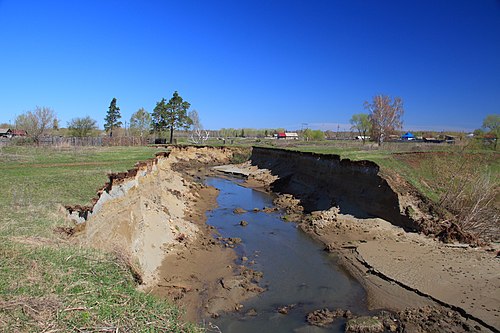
323, 181
143, 211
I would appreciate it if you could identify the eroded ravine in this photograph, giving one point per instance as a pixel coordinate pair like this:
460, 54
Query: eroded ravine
156, 211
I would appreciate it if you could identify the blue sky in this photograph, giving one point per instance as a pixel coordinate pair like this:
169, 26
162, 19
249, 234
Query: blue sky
253, 63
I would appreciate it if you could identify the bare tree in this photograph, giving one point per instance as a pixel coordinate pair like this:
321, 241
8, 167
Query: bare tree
385, 115
198, 134
140, 122
82, 127
36, 123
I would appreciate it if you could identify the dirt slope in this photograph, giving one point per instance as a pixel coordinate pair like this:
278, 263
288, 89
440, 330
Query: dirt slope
155, 214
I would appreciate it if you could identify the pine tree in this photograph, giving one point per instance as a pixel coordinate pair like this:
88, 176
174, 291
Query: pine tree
171, 115
112, 118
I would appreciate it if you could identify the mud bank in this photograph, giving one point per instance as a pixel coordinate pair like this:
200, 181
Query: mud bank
402, 271
398, 268
155, 214
356, 187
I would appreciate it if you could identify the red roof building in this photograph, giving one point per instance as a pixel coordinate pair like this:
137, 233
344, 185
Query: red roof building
18, 133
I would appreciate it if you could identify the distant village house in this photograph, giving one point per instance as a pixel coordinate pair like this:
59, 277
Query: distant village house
8, 133
287, 136
408, 136
5, 133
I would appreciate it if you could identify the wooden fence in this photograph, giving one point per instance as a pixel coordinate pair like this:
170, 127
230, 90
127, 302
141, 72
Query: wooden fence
74, 141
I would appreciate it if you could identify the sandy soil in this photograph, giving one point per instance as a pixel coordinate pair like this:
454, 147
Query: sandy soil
202, 277
461, 278
407, 270
158, 219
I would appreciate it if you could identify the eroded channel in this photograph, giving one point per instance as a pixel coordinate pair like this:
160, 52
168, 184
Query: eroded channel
298, 275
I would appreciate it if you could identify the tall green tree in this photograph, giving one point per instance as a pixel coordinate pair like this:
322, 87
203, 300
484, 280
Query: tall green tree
361, 123
140, 122
82, 127
112, 119
158, 117
313, 135
171, 115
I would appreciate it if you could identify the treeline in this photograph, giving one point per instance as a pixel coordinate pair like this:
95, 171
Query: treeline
383, 122
165, 117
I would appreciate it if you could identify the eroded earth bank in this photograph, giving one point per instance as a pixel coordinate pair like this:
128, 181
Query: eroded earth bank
384, 232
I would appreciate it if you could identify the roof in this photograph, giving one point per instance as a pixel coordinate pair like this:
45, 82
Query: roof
408, 135
4, 130
18, 132
288, 135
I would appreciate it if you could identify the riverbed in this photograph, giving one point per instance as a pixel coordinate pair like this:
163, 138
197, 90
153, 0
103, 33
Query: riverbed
298, 275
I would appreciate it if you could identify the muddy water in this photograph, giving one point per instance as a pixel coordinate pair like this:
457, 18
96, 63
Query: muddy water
297, 272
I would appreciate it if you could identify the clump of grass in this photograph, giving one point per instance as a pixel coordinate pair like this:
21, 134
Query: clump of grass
76, 289
241, 155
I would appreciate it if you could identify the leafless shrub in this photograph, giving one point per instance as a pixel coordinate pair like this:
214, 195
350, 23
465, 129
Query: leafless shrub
198, 135
37, 122
385, 115
469, 191
472, 199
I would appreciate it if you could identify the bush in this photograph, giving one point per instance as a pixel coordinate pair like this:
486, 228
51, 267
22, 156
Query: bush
467, 186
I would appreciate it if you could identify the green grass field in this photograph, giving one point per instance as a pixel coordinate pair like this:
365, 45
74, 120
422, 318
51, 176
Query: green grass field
48, 284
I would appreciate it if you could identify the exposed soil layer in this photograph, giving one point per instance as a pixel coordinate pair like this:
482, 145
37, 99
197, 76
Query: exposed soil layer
400, 269
324, 181
155, 214
357, 188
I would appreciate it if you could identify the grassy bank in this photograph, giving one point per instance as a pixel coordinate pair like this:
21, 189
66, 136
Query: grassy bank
48, 284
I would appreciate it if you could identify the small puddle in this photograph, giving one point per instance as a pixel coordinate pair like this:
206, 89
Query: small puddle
296, 269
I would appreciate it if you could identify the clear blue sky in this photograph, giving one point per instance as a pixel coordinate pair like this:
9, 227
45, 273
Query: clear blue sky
253, 63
